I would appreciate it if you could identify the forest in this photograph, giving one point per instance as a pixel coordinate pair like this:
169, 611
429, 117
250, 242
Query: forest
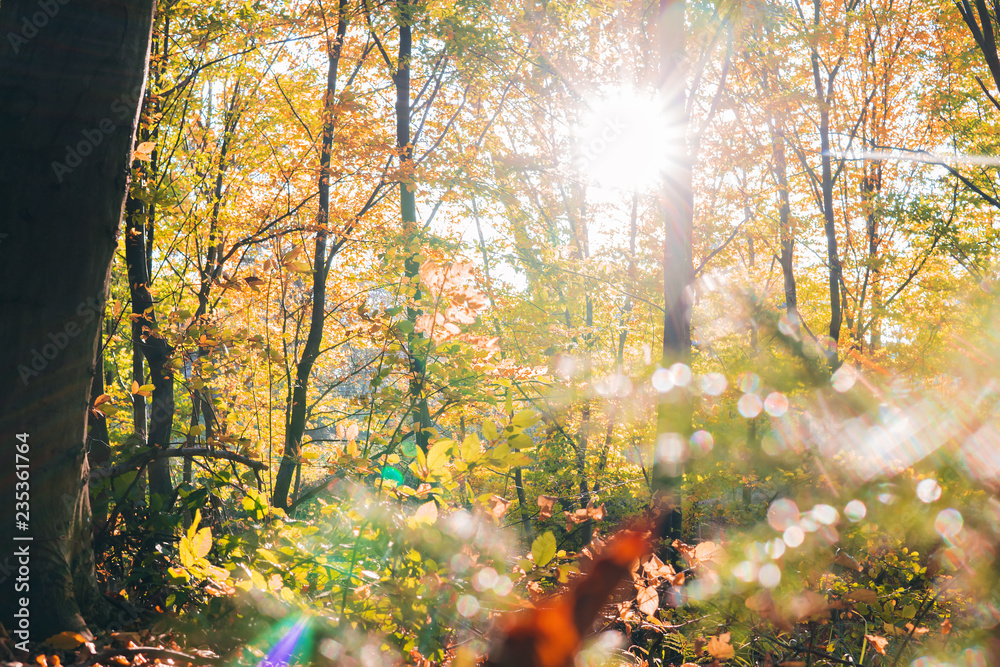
652, 333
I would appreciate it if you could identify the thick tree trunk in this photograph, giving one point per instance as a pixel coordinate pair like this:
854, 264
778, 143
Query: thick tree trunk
296, 424
70, 81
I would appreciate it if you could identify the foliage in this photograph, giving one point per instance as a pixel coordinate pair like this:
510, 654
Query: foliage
839, 498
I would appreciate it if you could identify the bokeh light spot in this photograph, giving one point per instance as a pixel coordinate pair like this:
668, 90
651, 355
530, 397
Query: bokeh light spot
855, 510
948, 523
749, 405
782, 514
776, 404
928, 490
769, 575
713, 384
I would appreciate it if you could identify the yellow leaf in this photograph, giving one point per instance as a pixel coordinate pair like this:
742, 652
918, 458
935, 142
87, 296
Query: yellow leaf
437, 456
202, 542
425, 515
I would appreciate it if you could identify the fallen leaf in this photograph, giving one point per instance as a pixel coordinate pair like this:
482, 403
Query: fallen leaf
945, 626
878, 643
66, 640
720, 648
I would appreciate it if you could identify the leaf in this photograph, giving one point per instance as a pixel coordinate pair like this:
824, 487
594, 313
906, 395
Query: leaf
352, 432
525, 418
471, 449
489, 430
425, 515
543, 549
498, 507
844, 559
66, 641
546, 503
144, 150
878, 643
101, 400
648, 599
437, 456
720, 648
202, 542
862, 595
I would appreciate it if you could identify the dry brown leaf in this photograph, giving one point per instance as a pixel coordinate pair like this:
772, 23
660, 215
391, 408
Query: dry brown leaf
844, 559
862, 595
720, 648
878, 643
649, 600
808, 606
546, 503
498, 507
917, 631
945, 626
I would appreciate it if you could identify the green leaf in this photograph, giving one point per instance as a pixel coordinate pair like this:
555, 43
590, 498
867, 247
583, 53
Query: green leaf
489, 430
543, 549
405, 327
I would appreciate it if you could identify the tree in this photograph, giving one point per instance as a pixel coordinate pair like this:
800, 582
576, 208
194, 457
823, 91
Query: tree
71, 79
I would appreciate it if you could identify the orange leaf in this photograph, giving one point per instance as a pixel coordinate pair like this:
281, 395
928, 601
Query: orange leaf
66, 640
720, 648
546, 503
879, 643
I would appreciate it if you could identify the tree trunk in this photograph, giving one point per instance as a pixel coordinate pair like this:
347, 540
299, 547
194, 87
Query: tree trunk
296, 425
823, 100
416, 343
70, 85
147, 339
674, 417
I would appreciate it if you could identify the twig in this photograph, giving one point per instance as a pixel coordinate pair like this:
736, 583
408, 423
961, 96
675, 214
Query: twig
141, 459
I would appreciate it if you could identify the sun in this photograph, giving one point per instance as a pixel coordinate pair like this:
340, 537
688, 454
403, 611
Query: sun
625, 140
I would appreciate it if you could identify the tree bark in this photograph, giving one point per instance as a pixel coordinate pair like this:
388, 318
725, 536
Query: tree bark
70, 85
